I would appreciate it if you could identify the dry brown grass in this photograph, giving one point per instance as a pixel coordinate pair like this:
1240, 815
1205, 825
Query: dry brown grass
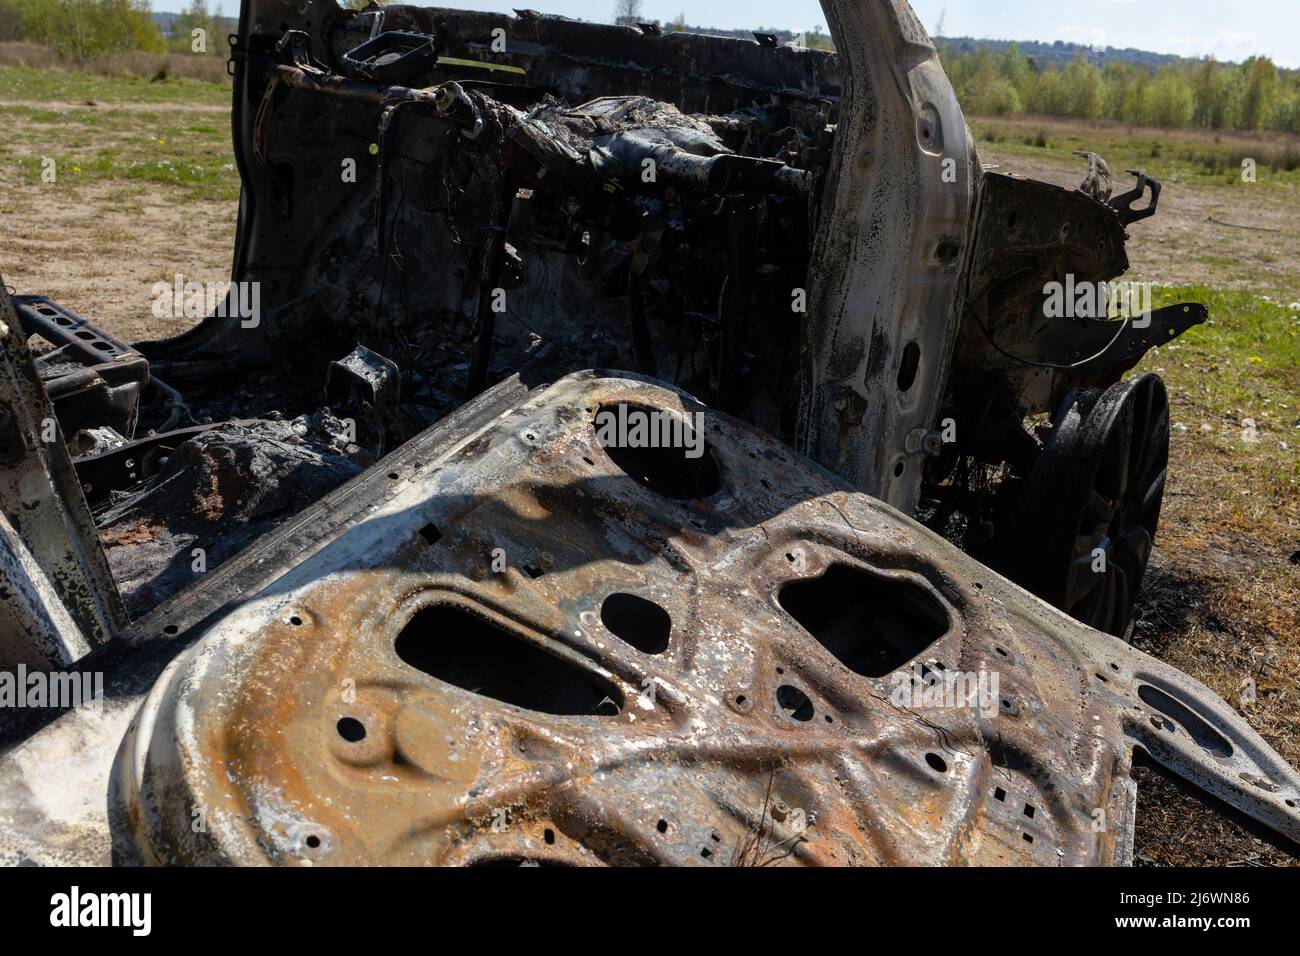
209, 69
1104, 129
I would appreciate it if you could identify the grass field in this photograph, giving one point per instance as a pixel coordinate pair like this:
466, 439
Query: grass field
147, 188
144, 188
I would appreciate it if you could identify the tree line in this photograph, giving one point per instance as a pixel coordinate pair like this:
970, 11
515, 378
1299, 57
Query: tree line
1253, 95
81, 30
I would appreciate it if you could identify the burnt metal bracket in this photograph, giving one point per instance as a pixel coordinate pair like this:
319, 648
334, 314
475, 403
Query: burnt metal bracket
1123, 203
1127, 348
50, 545
92, 377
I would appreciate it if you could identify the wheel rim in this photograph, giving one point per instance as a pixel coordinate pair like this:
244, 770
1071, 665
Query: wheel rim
1094, 503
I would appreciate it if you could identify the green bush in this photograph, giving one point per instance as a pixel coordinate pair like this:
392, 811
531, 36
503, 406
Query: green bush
81, 29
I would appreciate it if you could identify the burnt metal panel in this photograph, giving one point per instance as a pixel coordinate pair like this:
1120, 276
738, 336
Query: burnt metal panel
888, 260
337, 716
48, 522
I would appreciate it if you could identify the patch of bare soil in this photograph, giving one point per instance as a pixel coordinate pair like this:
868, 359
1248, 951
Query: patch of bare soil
100, 253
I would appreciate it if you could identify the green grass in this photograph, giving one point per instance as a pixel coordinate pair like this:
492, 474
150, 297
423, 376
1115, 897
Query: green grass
1243, 363
27, 83
91, 145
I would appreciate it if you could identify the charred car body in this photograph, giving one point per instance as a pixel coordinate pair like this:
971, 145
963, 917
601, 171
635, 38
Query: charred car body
365, 587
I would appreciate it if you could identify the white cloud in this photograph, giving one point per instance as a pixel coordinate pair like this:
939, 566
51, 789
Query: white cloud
1092, 36
1224, 40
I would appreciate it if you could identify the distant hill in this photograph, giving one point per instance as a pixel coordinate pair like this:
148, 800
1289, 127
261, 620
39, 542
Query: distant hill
1059, 53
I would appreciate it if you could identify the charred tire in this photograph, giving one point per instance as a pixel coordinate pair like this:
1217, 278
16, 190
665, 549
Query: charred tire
1092, 503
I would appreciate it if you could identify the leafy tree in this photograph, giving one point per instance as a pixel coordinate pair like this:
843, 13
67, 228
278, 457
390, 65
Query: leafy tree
82, 29
1260, 87
817, 39
1210, 96
212, 41
1083, 85
1169, 101
627, 12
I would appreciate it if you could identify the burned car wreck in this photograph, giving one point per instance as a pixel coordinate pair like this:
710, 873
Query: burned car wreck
366, 586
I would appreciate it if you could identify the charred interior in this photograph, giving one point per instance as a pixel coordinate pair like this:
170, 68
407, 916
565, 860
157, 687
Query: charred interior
435, 200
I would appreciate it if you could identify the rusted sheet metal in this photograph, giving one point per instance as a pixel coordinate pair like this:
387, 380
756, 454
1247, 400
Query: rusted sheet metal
447, 681
48, 528
888, 261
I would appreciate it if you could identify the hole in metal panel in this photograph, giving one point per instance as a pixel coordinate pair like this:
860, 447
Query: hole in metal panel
1206, 737
873, 625
668, 471
908, 365
639, 622
794, 703
351, 729
463, 649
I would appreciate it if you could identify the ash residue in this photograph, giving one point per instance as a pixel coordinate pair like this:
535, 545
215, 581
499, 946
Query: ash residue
219, 492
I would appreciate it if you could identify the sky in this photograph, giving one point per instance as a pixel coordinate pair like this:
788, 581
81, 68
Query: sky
1226, 30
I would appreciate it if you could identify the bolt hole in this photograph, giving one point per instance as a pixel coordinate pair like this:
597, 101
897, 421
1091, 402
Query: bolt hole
937, 763
794, 703
549, 836
351, 729
313, 841
908, 366
662, 826
637, 621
